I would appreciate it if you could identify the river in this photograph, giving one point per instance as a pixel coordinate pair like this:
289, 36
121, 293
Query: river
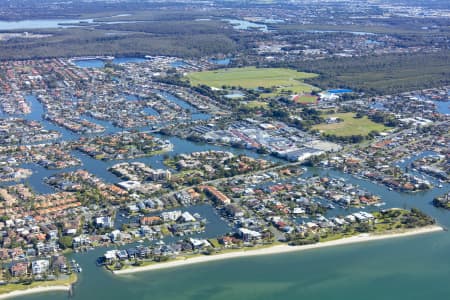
404, 268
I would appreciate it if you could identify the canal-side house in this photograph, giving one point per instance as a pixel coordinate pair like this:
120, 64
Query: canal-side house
39, 267
59, 263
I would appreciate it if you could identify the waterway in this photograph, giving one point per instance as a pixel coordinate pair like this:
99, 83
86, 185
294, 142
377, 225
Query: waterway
55, 23
341, 31
39, 24
99, 63
246, 25
100, 167
404, 268
443, 107
221, 62
195, 114
179, 64
340, 91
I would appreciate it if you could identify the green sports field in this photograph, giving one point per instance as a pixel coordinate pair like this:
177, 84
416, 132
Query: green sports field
350, 125
251, 78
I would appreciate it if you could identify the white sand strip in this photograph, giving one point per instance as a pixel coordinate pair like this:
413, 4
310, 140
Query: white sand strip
278, 249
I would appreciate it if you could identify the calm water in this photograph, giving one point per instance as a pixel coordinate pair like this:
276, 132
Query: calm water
179, 64
404, 268
246, 25
38, 24
340, 91
443, 107
99, 63
221, 62
99, 167
341, 31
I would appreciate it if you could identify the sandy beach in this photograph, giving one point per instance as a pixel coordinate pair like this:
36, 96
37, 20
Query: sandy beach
35, 290
278, 249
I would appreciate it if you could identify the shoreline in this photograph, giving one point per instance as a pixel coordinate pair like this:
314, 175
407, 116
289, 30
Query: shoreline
280, 249
35, 290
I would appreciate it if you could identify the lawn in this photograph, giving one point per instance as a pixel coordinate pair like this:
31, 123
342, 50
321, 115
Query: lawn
252, 78
350, 125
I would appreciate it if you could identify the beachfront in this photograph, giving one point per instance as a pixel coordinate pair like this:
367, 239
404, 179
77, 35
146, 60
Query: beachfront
35, 290
279, 249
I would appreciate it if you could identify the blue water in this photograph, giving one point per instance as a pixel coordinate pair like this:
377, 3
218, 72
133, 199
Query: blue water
341, 31
36, 24
443, 107
89, 63
406, 268
340, 91
150, 111
179, 64
273, 21
126, 60
377, 105
99, 63
37, 113
373, 42
221, 62
215, 226
246, 25
196, 115
99, 167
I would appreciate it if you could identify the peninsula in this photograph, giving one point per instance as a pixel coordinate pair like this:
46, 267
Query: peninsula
278, 249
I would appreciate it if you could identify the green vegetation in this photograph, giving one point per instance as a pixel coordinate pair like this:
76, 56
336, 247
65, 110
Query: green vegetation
11, 287
385, 221
252, 78
134, 40
387, 74
442, 201
350, 125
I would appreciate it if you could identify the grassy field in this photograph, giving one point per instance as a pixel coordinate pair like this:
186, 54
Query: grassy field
256, 104
251, 78
350, 125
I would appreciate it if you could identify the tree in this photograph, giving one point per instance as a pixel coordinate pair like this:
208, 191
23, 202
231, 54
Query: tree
66, 242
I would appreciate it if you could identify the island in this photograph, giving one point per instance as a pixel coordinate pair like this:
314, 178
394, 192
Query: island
442, 201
